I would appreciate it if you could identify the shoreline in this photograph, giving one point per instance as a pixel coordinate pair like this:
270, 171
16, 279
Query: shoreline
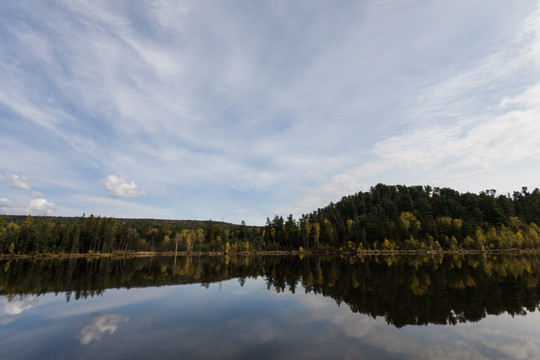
139, 254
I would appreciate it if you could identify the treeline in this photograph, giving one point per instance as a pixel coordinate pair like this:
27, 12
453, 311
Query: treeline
388, 218
95, 234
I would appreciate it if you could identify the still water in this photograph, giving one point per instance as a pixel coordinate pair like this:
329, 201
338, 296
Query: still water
271, 308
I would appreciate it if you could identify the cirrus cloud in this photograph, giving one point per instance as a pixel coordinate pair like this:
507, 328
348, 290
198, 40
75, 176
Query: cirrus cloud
15, 181
282, 109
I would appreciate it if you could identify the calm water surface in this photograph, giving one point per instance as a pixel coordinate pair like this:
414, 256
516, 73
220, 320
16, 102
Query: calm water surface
271, 308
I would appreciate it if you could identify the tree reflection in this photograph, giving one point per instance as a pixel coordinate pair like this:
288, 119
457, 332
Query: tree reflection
403, 290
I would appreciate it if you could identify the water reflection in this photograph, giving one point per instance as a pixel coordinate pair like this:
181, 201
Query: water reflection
271, 308
496, 337
98, 325
12, 308
402, 290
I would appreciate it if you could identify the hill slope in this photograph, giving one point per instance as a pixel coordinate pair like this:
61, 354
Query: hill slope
415, 217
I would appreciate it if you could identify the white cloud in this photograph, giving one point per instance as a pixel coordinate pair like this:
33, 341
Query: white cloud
98, 325
15, 181
38, 206
41, 207
488, 145
117, 187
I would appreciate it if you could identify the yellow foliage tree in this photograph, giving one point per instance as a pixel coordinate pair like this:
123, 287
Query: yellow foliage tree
410, 222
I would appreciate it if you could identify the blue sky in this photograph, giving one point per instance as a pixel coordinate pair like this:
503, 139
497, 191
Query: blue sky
239, 110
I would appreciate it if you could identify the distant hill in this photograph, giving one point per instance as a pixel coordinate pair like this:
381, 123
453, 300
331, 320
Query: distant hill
417, 217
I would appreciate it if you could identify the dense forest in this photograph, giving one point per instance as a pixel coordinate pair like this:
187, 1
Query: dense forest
386, 218
415, 290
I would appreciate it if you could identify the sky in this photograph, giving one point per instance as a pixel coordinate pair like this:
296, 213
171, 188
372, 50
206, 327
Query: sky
242, 110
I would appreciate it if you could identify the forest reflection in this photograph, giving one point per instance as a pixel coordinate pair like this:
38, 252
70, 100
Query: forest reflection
403, 290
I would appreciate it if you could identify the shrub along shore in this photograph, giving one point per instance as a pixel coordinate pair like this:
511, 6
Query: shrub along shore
362, 253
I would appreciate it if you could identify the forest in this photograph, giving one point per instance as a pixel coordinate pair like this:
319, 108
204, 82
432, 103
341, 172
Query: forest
387, 218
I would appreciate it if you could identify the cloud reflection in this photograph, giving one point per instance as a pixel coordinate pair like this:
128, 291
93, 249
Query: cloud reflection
510, 343
98, 325
490, 338
13, 308
254, 331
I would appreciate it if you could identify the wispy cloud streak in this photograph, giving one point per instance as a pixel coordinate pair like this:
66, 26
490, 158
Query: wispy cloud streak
248, 104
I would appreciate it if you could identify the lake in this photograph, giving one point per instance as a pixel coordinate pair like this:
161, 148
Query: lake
480, 307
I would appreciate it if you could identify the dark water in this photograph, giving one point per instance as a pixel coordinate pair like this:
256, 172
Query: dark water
271, 308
